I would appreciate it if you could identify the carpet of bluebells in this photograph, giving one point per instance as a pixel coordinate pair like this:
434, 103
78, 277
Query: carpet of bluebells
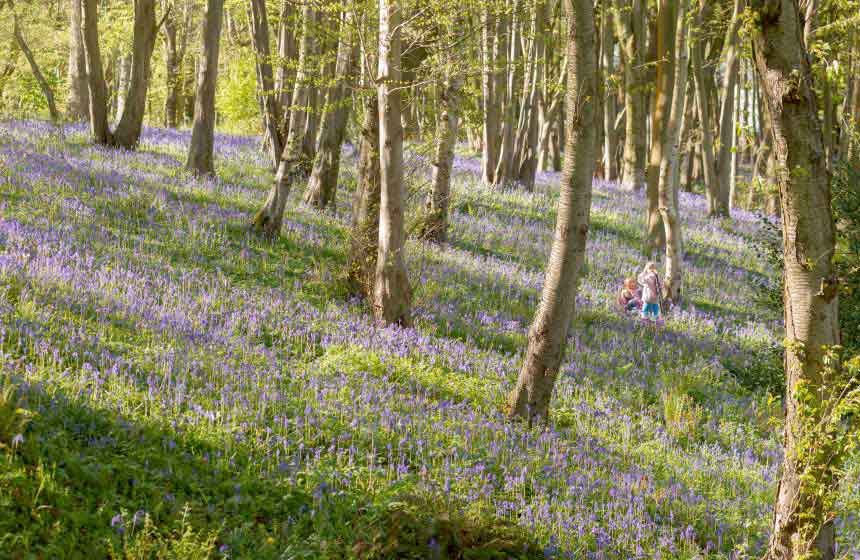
185, 389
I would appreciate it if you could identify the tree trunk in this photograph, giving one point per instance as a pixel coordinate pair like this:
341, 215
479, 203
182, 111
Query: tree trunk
364, 240
727, 111
95, 75
78, 101
801, 527
703, 107
656, 238
630, 28
504, 164
610, 139
265, 79
489, 98
436, 206
322, 185
37, 72
171, 67
391, 292
287, 53
200, 152
548, 334
667, 185
123, 76
528, 156
292, 158
127, 133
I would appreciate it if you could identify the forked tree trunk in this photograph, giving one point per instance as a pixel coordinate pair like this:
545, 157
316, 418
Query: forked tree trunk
727, 111
78, 101
667, 186
200, 152
436, 207
265, 79
630, 28
127, 133
391, 292
801, 527
364, 239
322, 185
95, 75
548, 333
270, 217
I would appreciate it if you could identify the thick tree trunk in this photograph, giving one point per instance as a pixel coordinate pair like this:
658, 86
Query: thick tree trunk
548, 333
727, 111
200, 152
364, 240
630, 28
78, 101
265, 79
95, 75
391, 292
322, 185
127, 133
667, 184
801, 527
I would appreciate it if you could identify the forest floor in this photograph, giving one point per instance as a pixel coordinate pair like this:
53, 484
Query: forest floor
193, 391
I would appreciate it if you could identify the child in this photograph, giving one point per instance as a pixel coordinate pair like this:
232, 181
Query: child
630, 296
650, 282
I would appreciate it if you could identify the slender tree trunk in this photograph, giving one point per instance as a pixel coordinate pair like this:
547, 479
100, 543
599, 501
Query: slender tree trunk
727, 111
171, 66
801, 527
78, 101
667, 185
200, 152
364, 240
265, 79
391, 293
610, 139
322, 185
436, 206
489, 98
288, 52
630, 28
703, 108
504, 165
529, 153
127, 133
123, 77
47, 92
548, 334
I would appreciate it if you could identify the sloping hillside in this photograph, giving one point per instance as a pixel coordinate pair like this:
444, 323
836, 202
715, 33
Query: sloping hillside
195, 390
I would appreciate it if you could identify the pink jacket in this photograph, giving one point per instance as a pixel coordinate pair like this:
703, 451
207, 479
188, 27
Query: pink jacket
650, 283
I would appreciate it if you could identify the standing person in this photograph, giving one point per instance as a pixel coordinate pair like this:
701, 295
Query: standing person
649, 279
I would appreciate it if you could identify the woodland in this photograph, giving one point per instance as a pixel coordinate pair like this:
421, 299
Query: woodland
538, 279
